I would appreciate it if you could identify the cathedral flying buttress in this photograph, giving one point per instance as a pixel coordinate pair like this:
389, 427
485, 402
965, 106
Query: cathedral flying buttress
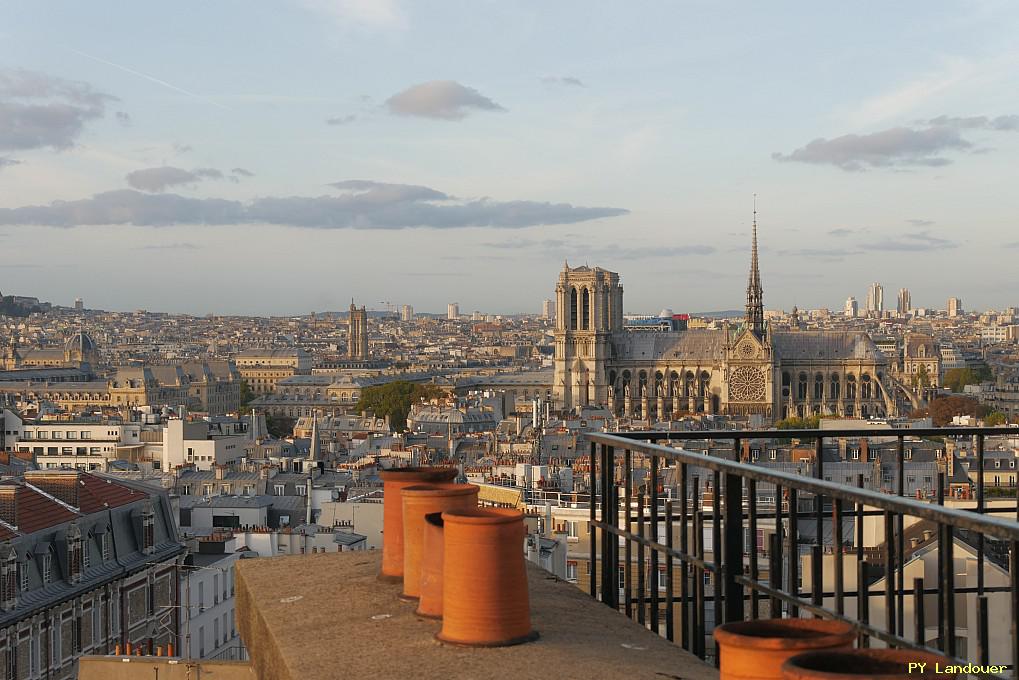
745, 370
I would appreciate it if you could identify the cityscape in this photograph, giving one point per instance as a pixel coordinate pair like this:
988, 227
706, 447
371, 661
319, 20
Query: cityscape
788, 451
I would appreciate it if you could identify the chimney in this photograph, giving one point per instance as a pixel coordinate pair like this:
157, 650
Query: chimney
864, 451
62, 484
9, 502
220, 471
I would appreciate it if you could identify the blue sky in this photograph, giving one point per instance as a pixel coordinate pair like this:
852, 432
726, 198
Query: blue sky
271, 158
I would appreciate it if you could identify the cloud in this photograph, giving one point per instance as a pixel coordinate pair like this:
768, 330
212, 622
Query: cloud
182, 148
913, 242
8, 162
921, 223
842, 231
820, 253
164, 177
569, 81
38, 110
170, 246
1009, 123
123, 118
159, 179
1011, 244
896, 147
560, 247
370, 14
361, 205
341, 120
441, 99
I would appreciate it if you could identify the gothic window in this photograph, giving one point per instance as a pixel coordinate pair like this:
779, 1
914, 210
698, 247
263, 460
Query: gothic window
642, 378
865, 387
573, 309
850, 389
836, 388
818, 387
786, 384
801, 386
586, 309
746, 383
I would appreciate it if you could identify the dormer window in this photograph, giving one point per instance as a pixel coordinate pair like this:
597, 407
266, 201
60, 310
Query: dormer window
74, 550
104, 543
9, 578
23, 573
47, 568
148, 530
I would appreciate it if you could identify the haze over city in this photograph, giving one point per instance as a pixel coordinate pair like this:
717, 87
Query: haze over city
279, 159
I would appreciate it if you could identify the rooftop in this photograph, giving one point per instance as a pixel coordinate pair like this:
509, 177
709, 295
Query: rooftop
294, 613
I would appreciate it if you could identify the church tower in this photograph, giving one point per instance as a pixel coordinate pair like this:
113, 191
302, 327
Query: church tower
11, 358
754, 319
589, 309
357, 333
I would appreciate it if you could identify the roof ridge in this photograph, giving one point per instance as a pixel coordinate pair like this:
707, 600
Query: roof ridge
46, 494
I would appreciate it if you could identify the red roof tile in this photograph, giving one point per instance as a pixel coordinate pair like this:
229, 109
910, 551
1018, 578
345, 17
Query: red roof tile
32, 511
96, 494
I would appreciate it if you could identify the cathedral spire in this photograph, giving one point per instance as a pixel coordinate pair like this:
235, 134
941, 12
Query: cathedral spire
754, 319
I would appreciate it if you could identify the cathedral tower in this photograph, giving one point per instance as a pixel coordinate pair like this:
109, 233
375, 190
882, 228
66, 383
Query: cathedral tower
589, 309
357, 333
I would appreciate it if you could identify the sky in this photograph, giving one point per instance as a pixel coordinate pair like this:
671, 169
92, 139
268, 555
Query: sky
280, 158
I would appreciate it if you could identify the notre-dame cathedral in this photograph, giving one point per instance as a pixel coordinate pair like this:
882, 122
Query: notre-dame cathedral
750, 369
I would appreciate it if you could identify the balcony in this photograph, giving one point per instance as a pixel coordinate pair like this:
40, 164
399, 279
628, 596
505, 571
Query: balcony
936, 574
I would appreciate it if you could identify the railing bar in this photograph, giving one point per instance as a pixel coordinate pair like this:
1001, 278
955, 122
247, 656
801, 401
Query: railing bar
641, 567
774, 575
670, 617
592, 528
983, 650
900, 546
941, 568
837, 551
716, 554
949, 588
1015, 607
793, 553
816, 575
863, 599
653, 575
755, 609
684, 570
980, 509
628, 550
698, 528
776, 553
963, 519
919, 616
819, 507
890, 572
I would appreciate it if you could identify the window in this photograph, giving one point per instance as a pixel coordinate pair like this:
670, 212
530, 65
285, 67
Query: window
104, 542
47, 568
225, 636
279, 489
571, 572
249, 489
301, 490
571, 529
772, 454
71, 435
23, 574
207, 489
201, 595
201, 641
215, 633
215, 589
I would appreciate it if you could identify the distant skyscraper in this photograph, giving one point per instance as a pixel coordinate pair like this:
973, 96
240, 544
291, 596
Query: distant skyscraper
357, 335
453, 310
904, 304
875, 298
548, 310
406, 313
954, 306
79, 304
852, 309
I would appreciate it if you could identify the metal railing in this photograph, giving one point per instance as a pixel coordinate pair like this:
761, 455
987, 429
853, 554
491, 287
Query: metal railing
748, 580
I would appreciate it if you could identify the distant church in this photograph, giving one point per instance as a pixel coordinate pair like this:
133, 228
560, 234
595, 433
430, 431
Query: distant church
79, 351
748, 370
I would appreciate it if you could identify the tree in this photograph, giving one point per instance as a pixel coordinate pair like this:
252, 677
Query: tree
995, 418
797, 423
957, 378
280, 427
247, 395
394, 400
942, 409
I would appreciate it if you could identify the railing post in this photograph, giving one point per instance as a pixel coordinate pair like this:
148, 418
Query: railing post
592, 530
733, 565
609, 580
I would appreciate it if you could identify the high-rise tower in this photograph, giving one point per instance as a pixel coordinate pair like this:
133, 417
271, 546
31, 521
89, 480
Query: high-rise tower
357, 333
754, 319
